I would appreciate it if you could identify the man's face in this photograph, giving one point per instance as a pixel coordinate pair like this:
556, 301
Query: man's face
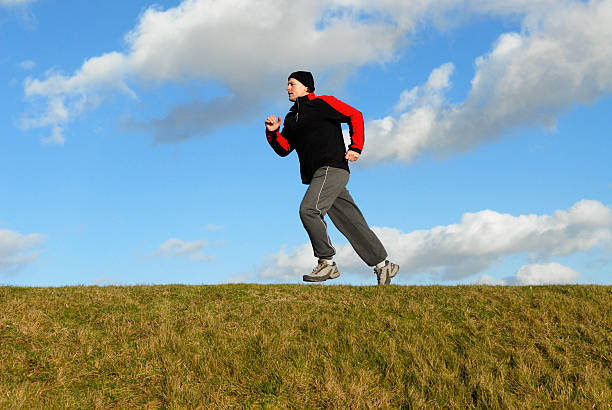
296, 89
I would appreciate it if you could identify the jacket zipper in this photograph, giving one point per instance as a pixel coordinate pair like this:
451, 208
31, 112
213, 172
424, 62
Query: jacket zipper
297, 116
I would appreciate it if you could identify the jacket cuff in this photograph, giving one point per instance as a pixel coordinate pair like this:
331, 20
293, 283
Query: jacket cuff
357, 150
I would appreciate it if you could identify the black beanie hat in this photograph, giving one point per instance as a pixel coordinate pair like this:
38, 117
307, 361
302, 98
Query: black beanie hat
304, 77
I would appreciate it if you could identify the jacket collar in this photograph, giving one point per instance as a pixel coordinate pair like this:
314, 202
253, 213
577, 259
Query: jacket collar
307, 97
303, 99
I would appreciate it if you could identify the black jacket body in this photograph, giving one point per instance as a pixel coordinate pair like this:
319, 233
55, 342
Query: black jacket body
313, 128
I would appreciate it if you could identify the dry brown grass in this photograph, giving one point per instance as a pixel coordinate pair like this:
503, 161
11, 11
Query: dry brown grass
291, 346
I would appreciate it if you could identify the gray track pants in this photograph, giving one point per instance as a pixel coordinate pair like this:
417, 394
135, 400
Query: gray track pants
327, 194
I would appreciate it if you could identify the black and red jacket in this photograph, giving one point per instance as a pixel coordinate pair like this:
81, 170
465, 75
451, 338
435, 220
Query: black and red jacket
312, 127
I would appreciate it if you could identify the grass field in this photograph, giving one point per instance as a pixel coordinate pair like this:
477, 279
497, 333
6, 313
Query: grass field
294, 346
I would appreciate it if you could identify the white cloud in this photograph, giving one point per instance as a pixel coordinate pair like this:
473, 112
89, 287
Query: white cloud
15, 2
479, 241
535, 274
289, 266
490, 280
27, 64
17, 250
516, 84
246, 52
68, 96
546, 274
210, 40
403, 138
176, 247
213, 227
562, 57
240, 278
106, 281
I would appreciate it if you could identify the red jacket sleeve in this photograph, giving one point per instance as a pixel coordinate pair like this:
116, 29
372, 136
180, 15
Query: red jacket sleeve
345, 113
279, 143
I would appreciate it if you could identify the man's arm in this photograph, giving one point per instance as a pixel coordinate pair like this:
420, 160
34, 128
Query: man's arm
276, 139
343, 112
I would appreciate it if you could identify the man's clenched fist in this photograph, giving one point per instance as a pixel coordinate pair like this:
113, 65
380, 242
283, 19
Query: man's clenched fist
273, 123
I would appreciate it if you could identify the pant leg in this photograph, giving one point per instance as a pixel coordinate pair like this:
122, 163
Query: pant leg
327, 183
349, 220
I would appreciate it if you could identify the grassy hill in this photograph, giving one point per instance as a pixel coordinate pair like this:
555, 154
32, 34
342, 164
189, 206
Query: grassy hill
306, 346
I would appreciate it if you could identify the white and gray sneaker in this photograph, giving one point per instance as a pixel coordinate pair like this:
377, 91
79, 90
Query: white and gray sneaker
322, 272
385, 273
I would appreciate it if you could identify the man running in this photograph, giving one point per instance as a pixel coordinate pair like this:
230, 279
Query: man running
313, 128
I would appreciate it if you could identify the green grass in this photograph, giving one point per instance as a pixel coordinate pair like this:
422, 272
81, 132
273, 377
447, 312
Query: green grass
293, 346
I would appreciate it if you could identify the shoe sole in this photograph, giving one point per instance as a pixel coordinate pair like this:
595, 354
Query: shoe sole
331, 275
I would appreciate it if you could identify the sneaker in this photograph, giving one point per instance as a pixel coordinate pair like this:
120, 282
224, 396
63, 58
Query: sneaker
385, 273
322, 272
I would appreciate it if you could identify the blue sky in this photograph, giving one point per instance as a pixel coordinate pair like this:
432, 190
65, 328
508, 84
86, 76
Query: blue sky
133, 147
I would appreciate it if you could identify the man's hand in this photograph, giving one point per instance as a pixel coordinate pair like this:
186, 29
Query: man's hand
273, 123
352, 155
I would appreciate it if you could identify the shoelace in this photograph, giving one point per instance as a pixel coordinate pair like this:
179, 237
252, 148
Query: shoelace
320, 266
376, 270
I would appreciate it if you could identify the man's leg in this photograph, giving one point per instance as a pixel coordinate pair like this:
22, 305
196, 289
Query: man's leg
349, 220
327, 183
